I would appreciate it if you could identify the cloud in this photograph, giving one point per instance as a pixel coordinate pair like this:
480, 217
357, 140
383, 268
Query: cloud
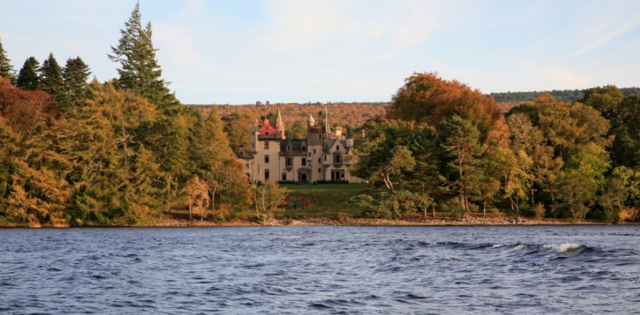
355, 27
550, 77
602, 35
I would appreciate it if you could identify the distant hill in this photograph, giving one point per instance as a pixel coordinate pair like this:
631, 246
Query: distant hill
342, 113
567, 96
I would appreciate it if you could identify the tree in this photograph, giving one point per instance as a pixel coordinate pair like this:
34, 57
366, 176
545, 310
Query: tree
25, 111
197, 197
461, 151
604, 99
268, 198
386, 157
140, 72
513, 170
626, 129
51, 81
621, 196
236, 128
577, 194
298, 131
75, 75
524, 135
28, 76
210, 152
427, 98
6, 69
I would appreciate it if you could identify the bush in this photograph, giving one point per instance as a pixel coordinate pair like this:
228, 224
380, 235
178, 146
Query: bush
538, 211
627, 214
298, 203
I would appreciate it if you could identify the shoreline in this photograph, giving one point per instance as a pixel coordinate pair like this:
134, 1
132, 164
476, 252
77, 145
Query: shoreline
444, 221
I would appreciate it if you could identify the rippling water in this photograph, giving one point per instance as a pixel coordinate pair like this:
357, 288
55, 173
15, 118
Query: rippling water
322, 270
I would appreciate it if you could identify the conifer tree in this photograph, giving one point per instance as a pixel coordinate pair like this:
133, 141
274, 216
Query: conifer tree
28, 77
462, 151
140, 72
51, 80
75, 75
6, 69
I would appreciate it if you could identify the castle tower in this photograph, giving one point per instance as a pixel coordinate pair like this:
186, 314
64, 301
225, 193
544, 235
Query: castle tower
326, 120
255, 132
349, 136
311, 122
279, 124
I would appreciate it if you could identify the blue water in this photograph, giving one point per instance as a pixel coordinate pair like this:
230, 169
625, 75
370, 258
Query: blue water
322, 270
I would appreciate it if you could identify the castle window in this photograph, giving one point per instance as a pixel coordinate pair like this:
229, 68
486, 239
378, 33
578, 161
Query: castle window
289, 161
309, 153
266, 174
319, 160
266, 159
253, 133
314, 151
304, 161
288, 148
337, 148
266, 145
304, 149
284, 176
319, 170
325, 158
337, 158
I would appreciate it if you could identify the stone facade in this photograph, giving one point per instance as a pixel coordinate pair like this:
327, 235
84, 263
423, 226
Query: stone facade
323, 156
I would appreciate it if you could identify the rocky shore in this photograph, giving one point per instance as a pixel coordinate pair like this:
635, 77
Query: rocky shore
438, 221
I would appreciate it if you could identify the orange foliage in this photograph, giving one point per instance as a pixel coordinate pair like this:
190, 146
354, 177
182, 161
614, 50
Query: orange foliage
426, 98
339, 113
25, 111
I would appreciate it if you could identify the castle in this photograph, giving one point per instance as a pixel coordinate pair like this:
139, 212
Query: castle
324, 156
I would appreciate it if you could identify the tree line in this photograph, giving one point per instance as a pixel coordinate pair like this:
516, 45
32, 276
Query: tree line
119, 152
565, 96
443, 146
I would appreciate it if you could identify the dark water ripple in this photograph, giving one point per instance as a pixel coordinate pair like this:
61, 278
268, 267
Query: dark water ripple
322, 270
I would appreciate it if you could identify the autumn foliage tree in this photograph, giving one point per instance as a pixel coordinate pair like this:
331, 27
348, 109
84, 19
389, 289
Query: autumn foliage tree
427, 98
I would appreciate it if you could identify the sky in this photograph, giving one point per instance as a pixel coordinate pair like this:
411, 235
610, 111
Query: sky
240, 52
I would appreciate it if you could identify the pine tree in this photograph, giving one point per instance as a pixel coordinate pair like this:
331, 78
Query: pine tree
140, 72
75, 75
6, 69
51, 80
463, 150
28, 77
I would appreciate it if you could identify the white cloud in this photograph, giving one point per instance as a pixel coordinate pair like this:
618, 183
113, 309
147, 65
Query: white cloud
550, 77
603, 34
355, 27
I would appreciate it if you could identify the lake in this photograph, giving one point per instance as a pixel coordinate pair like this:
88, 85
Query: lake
321, 270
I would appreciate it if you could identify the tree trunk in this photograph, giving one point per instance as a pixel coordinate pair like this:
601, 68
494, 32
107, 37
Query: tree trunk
484, 209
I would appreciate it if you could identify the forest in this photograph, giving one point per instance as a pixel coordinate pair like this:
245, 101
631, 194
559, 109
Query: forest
565, 96
122, 152
444, 146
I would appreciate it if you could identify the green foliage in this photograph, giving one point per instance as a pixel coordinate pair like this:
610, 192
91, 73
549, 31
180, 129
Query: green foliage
75, 76
28, 76
6, 69
298, 131
140, 72
51, 81
461, 151
566, 96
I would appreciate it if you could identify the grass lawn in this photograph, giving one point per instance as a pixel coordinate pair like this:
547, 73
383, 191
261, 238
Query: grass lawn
326, 200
